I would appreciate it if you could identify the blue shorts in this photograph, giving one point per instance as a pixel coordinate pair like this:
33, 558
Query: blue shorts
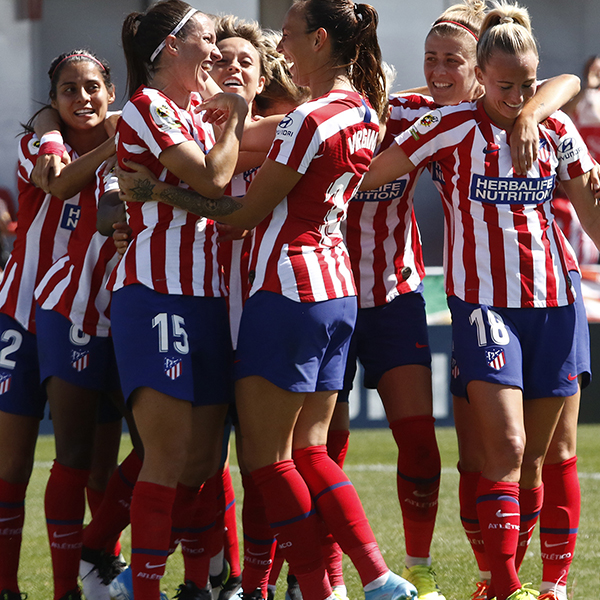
542, 351
389, 336
297, 346
20, 389
177, 345
68, 353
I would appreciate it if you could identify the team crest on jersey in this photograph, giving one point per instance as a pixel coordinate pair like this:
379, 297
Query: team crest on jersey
80, 359
173, 367
495, 359
436, 172
164, 116
426, 123
568, 150
5, 379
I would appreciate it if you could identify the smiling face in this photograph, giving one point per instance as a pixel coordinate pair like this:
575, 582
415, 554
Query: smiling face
238, 69
82, 97
450, 67
296, 45
197, 53
509, 82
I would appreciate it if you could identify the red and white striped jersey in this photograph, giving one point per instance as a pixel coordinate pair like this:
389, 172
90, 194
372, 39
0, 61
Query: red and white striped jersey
172, 251
587, 120
44, 226
381, 230
75, 285
299, 250
234, 258
503, 246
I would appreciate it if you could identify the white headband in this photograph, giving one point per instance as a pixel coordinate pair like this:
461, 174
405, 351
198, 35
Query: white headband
188, 15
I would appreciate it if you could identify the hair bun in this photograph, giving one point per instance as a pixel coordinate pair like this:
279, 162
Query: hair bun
506, 20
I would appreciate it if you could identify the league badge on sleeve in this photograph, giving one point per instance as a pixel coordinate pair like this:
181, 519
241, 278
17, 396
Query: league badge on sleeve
164, 117
173, 367
426, 123
495, 359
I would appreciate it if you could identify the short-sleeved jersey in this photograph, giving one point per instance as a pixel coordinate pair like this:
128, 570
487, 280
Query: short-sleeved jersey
299, 250
502, 247
44, 226
75, 285
172, 251
381, 230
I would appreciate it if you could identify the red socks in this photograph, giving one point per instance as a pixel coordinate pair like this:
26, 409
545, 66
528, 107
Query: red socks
65, 510
231, 543
289, 509
341, 510
559, 519
12, 517
530, 502
418, 480
184, 507
259, 543
151, 508
197, 543
499, 517
467, 494
112, 515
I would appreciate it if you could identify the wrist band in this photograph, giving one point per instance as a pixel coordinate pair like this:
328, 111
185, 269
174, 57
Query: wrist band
52, 143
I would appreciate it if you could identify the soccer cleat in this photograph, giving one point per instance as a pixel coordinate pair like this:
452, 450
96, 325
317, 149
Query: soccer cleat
121, 587
218, 581
481, 592
255, 595
339, 595
293, 589
190, 591
395, 588
524, 593
96, 570
10, 595
423, 578
72, 595
230, 588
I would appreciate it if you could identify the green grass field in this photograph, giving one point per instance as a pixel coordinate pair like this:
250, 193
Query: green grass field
371, 466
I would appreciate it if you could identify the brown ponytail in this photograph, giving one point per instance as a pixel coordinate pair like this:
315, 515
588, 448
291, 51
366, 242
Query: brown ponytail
141, 35
352, 29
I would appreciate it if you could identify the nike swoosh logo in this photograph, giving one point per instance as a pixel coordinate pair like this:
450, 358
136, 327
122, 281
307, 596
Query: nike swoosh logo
9, 519
490, 150
421, 345
149, 566
473, 531
62, 535
500, 514
186, 540
572, 377
424, 494
528, 531
257, 553
554, 545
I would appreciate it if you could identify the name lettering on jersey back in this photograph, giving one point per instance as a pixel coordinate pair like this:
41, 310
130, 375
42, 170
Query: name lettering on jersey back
509, 190
70, 217
363, 138
387, 192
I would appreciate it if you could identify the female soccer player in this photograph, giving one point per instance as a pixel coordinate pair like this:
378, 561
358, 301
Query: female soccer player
510, 275
384, 243
298, 320
169, 315
81, 91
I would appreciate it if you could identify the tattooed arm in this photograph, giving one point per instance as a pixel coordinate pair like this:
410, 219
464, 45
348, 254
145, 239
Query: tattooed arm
270, 186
